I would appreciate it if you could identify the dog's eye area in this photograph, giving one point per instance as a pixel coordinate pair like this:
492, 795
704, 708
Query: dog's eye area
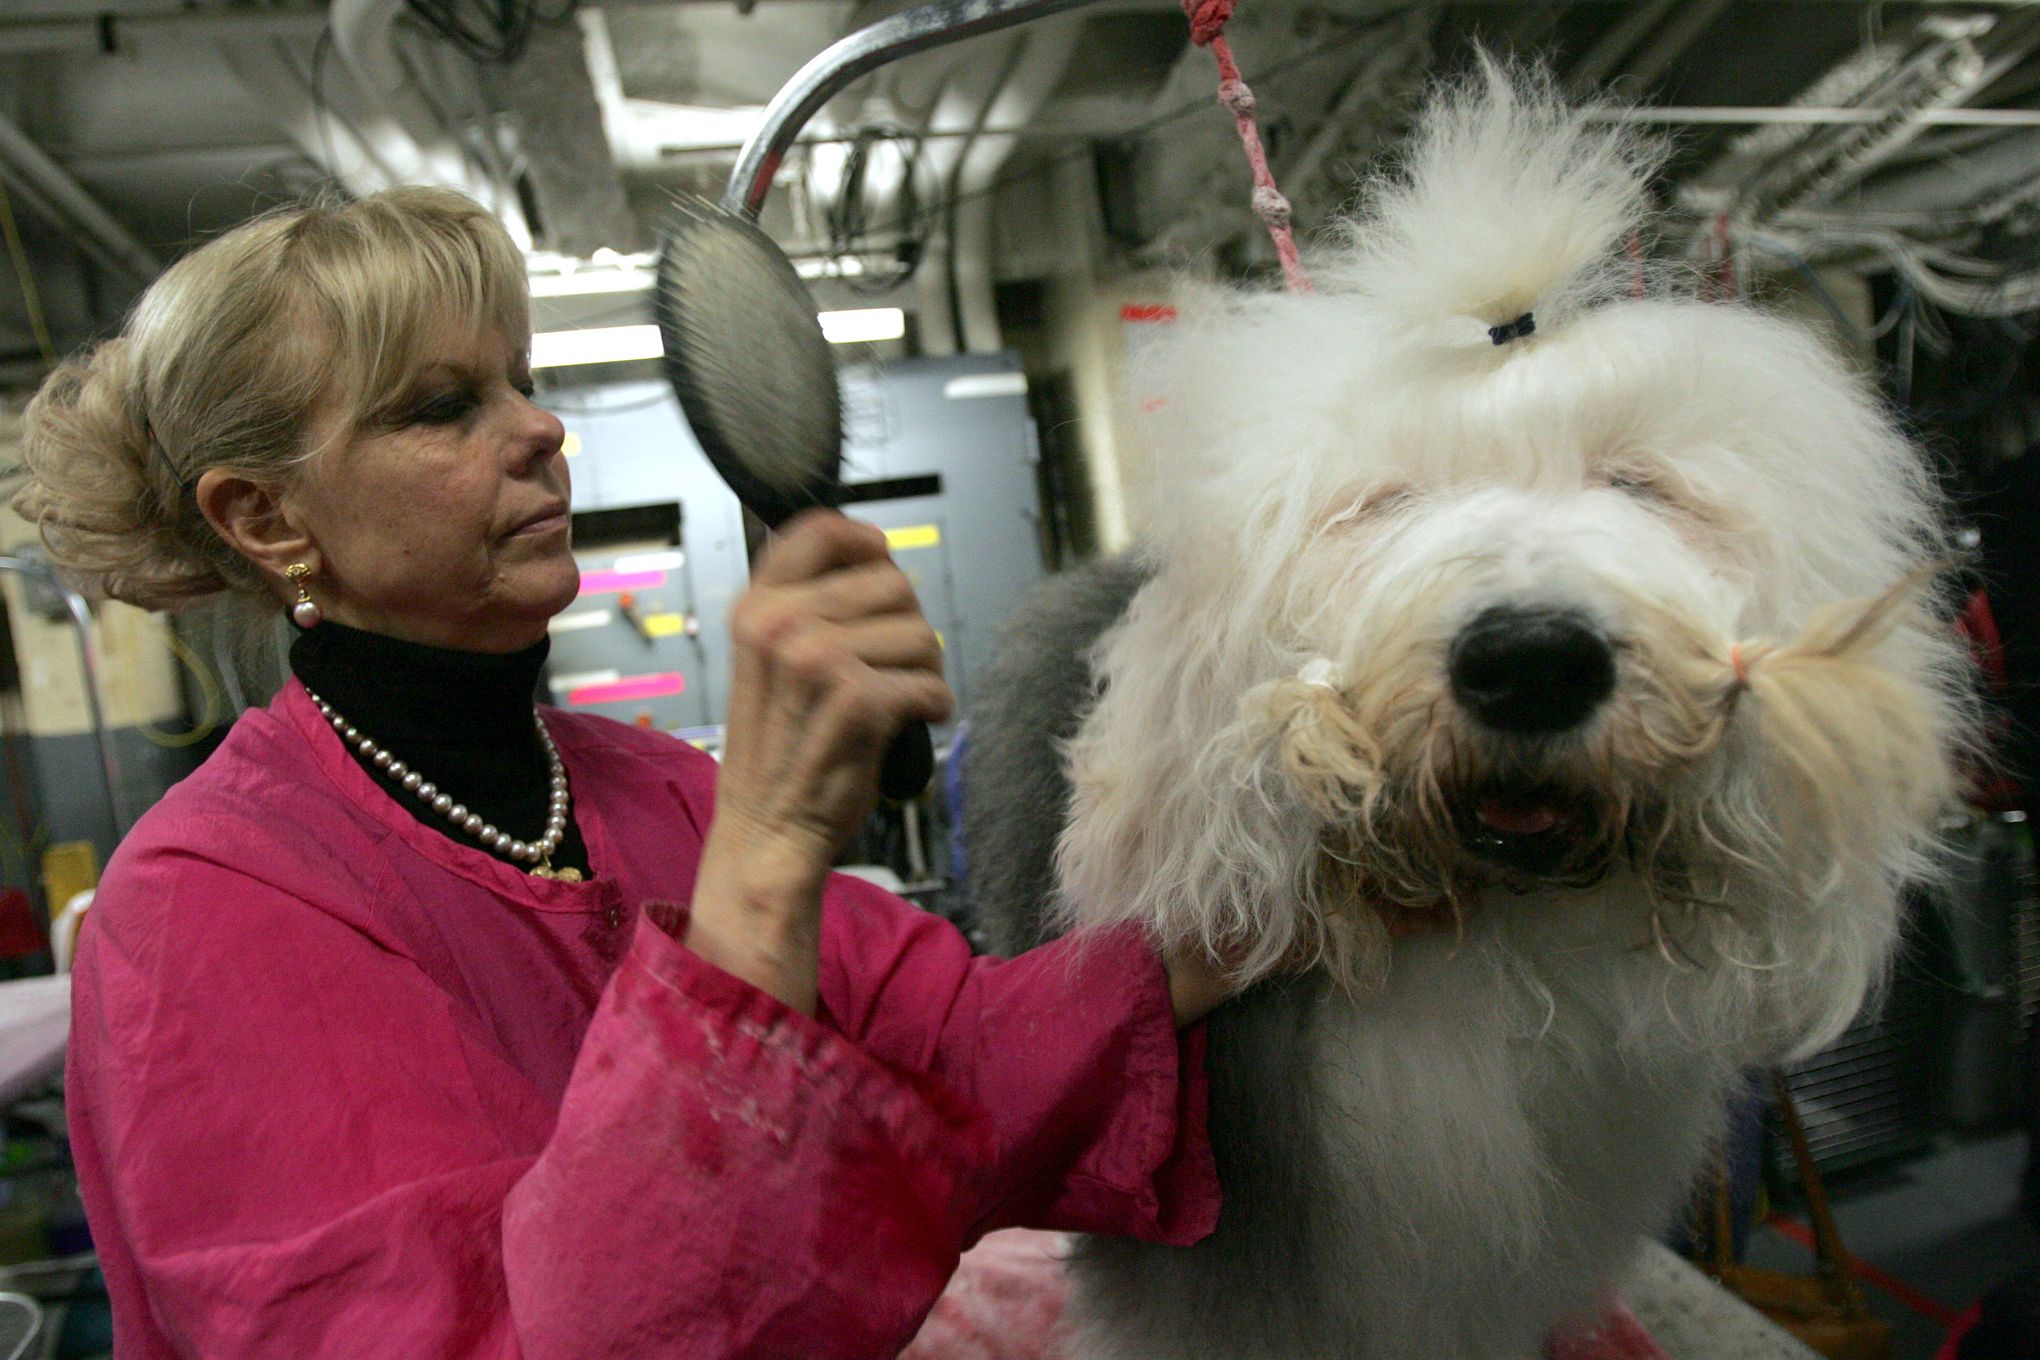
1370, 504
1641, 486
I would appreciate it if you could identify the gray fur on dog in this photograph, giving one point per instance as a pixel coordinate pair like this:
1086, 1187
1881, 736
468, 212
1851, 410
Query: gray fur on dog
1029, 702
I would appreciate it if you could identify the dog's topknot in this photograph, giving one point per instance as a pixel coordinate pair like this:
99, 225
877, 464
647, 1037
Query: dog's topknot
1508, 201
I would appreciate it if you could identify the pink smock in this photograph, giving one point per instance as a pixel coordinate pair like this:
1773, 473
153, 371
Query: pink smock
340, 1086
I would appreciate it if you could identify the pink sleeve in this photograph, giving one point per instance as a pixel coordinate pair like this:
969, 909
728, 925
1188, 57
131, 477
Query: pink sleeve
1097, 1100
302, 1149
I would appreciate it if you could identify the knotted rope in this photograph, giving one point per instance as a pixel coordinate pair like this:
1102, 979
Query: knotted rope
1207, 29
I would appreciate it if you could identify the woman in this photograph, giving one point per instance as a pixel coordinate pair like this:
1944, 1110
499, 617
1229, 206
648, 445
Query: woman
419, 1022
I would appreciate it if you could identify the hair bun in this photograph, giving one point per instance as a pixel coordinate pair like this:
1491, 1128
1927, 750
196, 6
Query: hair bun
111, 514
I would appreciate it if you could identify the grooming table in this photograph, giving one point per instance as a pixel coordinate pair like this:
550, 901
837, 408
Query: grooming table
1006, 1299
1693, 1318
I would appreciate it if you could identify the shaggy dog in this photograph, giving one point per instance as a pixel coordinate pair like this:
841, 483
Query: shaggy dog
1539, 651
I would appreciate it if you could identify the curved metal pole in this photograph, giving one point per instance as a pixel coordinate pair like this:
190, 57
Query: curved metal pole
936, 24
42, 574
109, 764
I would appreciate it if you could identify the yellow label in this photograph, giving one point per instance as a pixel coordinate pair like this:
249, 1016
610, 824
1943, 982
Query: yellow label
69, 868
665, 625
913, 536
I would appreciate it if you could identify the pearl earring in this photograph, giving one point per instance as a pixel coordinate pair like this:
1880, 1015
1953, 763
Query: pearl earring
305, 612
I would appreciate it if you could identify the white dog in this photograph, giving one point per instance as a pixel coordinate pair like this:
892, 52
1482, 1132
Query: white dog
1537, 648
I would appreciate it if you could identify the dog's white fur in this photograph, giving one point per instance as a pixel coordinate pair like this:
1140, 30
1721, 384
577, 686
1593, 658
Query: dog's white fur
1442, 1150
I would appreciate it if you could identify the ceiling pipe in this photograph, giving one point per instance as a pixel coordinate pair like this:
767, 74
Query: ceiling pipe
1965, 73
1040, 67
968, 90
341, 123
361, 35
1784, 115
1597, 62
396, 112
60, 197
1694, 17
42, 37
1943, 74
1792, 153
319, 122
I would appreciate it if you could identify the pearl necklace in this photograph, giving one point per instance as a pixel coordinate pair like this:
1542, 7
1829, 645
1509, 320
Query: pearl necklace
539, 852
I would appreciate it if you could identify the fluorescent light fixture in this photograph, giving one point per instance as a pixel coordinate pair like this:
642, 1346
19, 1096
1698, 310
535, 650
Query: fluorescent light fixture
834, 267
583, 282
863, 325
651, 561
974, 385
606, 271
600, 345
621, 344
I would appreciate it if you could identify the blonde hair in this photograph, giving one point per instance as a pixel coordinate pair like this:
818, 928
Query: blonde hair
307, 318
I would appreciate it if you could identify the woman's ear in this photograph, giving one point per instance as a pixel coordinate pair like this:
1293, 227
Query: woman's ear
256, 519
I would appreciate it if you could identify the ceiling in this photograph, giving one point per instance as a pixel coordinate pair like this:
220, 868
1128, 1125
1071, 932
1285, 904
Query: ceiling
1869, 136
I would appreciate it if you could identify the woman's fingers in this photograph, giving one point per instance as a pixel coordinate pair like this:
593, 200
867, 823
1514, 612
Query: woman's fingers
767, 616
832, 657
823, 654
813, 542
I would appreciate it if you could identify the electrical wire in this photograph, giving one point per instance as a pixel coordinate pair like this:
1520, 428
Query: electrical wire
1161, 122
31, 296
849, 229
209, 694
1905, 299
488, 32
1950, 280
322, 111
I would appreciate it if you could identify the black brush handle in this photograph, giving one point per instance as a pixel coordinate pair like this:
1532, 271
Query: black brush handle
910, 759
909, 762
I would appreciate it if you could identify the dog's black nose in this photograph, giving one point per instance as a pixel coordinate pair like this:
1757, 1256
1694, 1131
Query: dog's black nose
1531, 670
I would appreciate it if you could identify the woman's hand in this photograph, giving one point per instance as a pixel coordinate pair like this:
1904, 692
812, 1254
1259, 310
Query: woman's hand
1198, 982
832, 656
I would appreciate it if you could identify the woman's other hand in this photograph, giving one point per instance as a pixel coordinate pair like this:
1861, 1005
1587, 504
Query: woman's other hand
1198, 982
832, 656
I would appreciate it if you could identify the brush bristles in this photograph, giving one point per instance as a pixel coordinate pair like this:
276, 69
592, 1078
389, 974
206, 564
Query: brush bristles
746, 355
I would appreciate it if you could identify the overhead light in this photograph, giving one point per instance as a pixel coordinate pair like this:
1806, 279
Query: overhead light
587, 281
829, 267
599, 345
864, 325
606, 271
622, 344
639, 279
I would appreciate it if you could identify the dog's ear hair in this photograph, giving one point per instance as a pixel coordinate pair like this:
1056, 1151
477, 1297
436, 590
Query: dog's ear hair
1168, 827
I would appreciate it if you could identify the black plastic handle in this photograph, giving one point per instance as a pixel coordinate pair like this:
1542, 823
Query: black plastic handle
909, 762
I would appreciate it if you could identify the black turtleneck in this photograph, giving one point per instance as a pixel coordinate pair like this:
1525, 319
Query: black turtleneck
461, 719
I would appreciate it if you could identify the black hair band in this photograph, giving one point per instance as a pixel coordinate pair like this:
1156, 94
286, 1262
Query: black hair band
1523, 325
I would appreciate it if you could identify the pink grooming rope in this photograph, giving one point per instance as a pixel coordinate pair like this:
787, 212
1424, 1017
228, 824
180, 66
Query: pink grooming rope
1207, 29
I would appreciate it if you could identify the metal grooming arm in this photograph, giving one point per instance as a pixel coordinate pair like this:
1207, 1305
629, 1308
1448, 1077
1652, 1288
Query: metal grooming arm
932, 25
42, 576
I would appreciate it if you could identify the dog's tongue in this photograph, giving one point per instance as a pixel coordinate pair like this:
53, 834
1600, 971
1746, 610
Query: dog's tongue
1518, 819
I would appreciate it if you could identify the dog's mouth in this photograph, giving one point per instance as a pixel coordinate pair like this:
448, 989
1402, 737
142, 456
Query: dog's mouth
1531, 830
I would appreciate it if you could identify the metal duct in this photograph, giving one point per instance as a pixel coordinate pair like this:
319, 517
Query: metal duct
62, 199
